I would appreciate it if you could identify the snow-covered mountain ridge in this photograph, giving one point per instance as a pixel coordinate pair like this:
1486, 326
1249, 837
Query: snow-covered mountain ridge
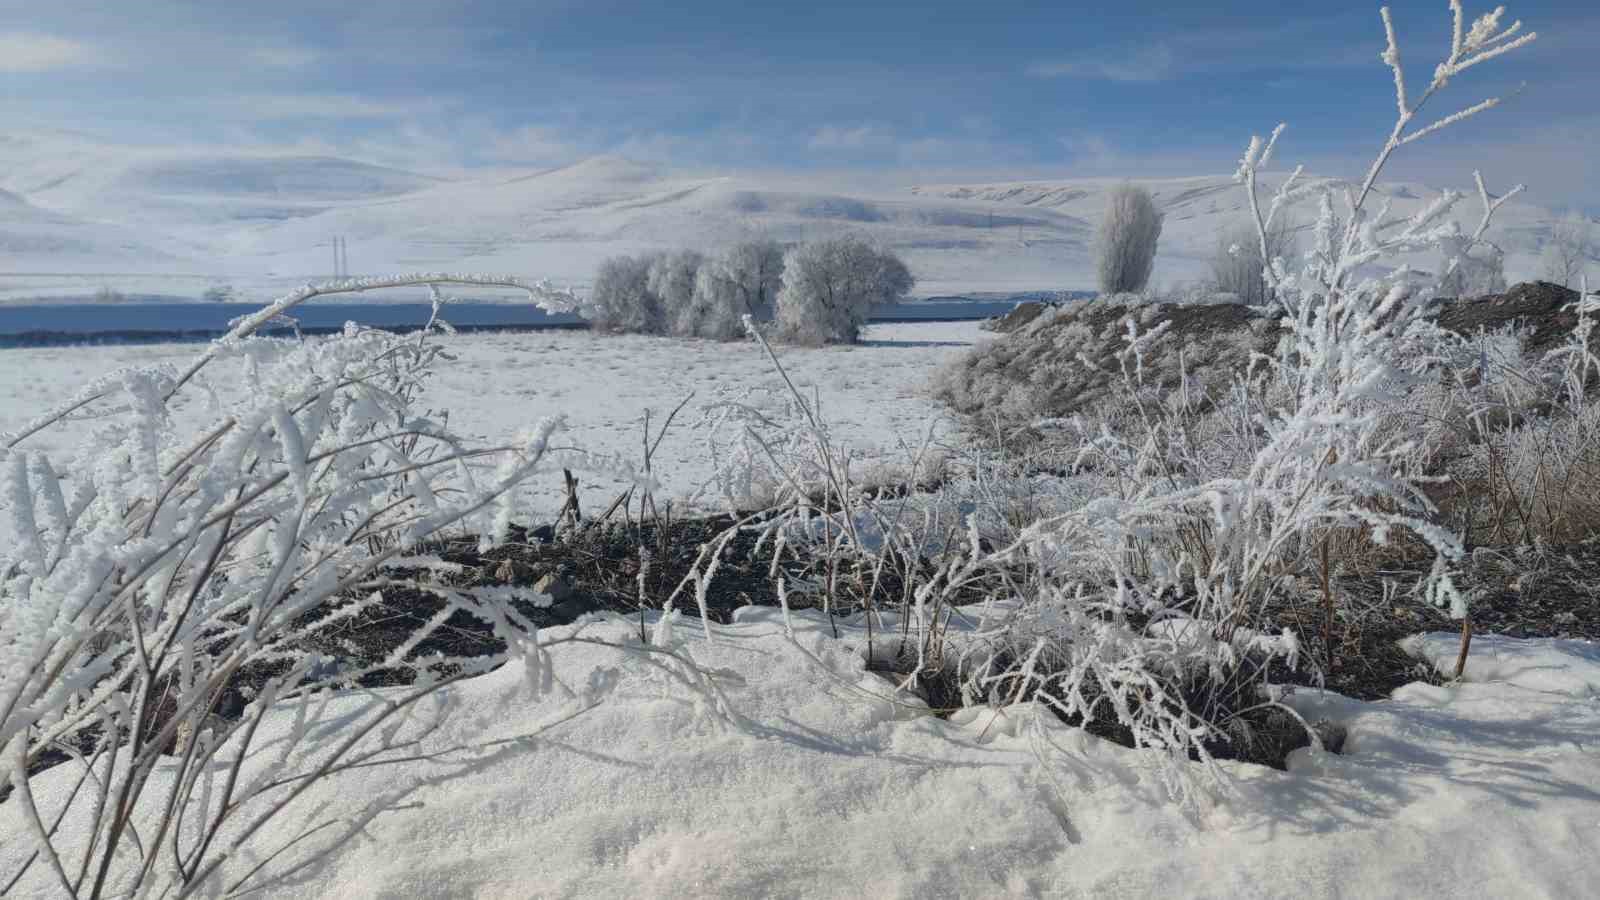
77, 216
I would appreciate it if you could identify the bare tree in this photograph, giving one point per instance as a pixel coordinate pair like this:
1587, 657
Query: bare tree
1127, 240
1238, 267
1569, 250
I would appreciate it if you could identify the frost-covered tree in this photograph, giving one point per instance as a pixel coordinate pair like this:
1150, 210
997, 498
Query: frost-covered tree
622, 299
829, 287
716, 308
743, 281
1569, 250
1126, 243
755, 269
671, 280
1238, 267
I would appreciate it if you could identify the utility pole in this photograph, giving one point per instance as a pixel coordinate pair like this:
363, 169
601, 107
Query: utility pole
341, 257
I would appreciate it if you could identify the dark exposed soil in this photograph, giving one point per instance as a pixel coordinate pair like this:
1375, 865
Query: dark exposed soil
1548, 593
1547, 311
1553, 592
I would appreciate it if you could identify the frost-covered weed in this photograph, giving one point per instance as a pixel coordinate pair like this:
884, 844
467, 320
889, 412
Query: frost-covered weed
171, 586
1524, 455
1225, 495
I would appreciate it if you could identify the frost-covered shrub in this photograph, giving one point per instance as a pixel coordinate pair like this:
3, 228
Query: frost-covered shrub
831, 285
174, 587
1522, 451
1125, 246
622, 298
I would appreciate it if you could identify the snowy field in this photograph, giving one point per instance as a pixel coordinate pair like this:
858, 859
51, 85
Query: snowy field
817, 782
873, 395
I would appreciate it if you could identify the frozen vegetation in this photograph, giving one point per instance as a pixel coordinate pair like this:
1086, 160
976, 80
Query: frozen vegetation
1185, 608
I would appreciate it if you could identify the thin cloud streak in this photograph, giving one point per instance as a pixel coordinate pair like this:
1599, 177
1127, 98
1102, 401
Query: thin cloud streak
22, 51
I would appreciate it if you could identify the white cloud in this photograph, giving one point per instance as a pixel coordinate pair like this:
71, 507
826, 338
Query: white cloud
1156, 62
333, 106
22, 51
861, 137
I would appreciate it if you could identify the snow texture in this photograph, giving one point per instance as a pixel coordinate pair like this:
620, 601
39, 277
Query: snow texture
826, 783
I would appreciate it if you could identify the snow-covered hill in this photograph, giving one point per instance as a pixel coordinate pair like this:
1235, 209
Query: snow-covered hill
1197, 208
143, 221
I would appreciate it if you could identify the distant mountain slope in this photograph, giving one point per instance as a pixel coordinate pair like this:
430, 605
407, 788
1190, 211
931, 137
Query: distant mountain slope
53, 240
177, 191
1197, 209
560, 223
262, 223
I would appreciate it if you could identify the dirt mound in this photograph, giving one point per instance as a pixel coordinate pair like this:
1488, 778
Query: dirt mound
1548, 311
1057, 361
1066, 359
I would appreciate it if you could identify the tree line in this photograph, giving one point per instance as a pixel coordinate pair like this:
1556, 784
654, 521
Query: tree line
816, 292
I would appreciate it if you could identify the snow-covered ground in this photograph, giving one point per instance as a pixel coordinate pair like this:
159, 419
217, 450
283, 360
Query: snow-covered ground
872, 395
818, 781
822, 783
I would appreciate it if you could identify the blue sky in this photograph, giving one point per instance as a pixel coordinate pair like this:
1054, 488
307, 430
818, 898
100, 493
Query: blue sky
901, 91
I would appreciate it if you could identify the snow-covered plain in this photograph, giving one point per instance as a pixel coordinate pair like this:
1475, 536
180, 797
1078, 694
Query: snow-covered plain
872, 395
820, 782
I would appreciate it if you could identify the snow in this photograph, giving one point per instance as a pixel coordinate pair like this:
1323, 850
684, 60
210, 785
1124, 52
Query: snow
818, 780
1198, 208
86, 215
822, 782
873, 394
